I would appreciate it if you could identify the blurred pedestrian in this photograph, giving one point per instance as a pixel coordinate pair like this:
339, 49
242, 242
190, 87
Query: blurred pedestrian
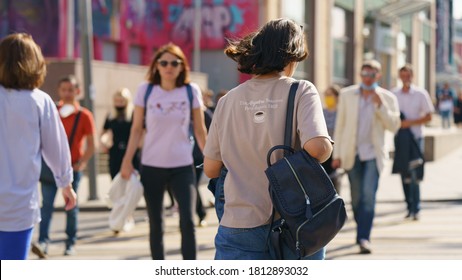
29, 129
167, 151
116, 130
199, 158
80, 129
330, 114
458, 110
365, 112
445, 105
416, 109
250, 120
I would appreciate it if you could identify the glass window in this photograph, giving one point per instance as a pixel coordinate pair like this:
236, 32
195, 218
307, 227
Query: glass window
339, 61
135, 55
109, 51
339, 45
294, 9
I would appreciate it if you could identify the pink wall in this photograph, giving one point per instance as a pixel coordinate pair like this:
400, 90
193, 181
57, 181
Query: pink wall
151, 23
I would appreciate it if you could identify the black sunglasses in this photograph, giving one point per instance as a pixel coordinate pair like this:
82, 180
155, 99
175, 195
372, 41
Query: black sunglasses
174, 63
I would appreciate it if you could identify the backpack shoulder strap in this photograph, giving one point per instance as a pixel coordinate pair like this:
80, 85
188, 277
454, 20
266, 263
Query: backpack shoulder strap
146, 96
74, 128
289, 116
190, 97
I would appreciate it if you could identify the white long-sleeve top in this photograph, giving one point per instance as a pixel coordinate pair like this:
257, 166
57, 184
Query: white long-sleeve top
29, 128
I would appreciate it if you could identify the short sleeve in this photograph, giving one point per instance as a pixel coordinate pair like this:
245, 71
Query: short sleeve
212, 145
107, 123
140, 93
88, 123
310, 117
427, 105
197, 96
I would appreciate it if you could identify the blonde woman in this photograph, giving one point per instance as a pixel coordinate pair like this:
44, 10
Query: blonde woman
116, 131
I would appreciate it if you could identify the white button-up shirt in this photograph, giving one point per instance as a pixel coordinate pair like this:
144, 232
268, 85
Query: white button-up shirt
414, 104
29, 128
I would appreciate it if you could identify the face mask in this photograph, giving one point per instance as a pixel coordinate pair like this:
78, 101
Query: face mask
120, 109
371, 87
66, 110
330, 102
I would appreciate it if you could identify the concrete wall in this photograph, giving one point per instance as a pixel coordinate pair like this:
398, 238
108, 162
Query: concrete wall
440, 143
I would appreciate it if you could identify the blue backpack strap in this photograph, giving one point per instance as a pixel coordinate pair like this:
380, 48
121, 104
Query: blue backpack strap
191, 127
146, 96
190, 97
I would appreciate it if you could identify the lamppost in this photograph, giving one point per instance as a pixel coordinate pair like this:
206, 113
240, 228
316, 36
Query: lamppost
86, 47
197, 35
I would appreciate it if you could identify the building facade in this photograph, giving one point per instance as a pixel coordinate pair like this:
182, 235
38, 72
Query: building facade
341, 33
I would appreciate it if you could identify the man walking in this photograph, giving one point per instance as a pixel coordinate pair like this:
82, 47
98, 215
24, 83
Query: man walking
79, 126
416, 110
365, 112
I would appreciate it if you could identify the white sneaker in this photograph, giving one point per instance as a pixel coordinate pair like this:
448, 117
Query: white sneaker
40, 249
364, 246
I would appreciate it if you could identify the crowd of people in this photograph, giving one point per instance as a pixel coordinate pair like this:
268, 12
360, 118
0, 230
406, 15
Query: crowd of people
173, 131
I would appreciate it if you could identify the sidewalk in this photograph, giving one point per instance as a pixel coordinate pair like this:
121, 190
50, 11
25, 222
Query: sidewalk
437, 235
442, 182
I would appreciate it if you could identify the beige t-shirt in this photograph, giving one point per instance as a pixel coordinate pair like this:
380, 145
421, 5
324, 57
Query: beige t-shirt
247, 122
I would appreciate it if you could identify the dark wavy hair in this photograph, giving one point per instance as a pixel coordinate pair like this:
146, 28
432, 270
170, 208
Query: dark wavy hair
278, 43
22, 65
153, 75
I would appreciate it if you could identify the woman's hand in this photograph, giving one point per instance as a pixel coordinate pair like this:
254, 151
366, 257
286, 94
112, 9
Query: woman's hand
126, 169
336, 163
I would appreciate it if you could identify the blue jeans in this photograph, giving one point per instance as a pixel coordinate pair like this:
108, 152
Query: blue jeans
445, 119
216, 186
15, 245
252, 244
364, 181
48, 199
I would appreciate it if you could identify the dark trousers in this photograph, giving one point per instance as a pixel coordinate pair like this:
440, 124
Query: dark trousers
181, 180
200, 209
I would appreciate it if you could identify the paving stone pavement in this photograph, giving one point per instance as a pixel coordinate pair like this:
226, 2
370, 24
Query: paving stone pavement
437, 235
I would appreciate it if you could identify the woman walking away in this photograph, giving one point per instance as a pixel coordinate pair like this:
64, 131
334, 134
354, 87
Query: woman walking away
250, 120
30, 128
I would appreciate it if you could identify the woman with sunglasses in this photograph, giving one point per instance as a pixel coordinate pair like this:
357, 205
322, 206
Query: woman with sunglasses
247, 122
167, 151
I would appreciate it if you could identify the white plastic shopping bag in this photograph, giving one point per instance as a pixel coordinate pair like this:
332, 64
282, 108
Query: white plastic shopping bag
123, 197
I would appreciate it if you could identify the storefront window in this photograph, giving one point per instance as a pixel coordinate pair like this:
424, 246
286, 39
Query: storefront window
109, 51
135, 55
339, 45
295, 10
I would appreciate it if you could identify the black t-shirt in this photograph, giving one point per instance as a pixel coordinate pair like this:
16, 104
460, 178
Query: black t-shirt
120, 130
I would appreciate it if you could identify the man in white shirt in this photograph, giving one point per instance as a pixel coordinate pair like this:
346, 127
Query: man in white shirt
417, 108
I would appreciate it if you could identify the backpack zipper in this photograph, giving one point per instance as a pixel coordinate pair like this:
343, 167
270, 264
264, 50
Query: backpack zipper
297, 244
307, 199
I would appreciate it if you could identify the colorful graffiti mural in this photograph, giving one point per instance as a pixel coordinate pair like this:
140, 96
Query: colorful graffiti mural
156, 22
40, 18
146, 24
